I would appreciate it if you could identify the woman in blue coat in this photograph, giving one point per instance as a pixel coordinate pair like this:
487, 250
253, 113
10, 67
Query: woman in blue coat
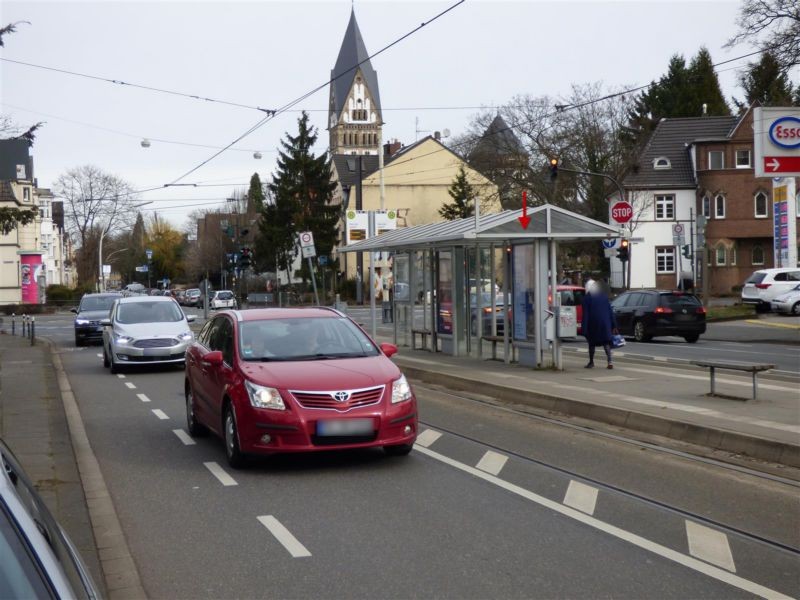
598, 323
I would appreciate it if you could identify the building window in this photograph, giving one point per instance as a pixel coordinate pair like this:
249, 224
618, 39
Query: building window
758, 255
665, 260
720, 256
733, 256
743, 159
26, 194
716, 159
761, 205
719, 206
706, 207
662, 162
665, 207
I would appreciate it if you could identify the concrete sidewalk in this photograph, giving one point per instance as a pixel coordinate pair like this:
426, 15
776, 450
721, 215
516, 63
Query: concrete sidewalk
665, 400
34, 425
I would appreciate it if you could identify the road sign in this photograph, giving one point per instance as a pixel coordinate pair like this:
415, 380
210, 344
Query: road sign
142, 269
149, 254
678, 233
323, 261
308, 251
106, 269
609, 252
621, 212
776, 133
306, 239
783, 165
611, 243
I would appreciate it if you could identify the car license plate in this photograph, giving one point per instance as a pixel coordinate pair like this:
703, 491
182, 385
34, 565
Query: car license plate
345, 427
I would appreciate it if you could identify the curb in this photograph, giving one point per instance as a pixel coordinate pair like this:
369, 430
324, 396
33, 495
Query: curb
119, 570
710, 437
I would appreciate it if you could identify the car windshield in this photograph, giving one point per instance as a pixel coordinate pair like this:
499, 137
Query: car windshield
149, 312
97, 303
309, 338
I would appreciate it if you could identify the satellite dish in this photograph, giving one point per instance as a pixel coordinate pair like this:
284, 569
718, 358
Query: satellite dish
445, 132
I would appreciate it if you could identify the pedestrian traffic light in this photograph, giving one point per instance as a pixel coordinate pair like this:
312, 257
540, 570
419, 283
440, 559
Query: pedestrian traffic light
623, 251
553, 169
686, 251
246, 258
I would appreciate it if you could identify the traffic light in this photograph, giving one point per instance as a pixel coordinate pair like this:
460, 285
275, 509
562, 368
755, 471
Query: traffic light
686, 251
553, 169
246, 258
623, 251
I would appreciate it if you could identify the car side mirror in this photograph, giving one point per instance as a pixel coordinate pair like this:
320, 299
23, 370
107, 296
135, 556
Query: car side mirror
388, 349
213, 358
105, 322
73, 310
191, 318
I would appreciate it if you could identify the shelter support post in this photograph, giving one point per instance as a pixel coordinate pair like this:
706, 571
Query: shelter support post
556, 305
478, 304
507, 323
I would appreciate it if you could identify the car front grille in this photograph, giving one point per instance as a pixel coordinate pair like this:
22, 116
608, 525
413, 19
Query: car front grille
155, 343
327, 400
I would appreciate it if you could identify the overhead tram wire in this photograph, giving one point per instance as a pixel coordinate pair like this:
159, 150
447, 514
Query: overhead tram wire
293, 103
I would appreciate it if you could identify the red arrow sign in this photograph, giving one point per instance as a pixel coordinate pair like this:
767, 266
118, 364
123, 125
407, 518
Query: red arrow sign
524, 219
782, 164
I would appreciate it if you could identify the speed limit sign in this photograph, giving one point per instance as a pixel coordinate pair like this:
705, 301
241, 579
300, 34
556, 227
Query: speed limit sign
306, 239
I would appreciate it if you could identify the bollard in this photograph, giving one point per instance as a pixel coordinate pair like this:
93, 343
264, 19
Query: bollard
13, 324
33, 330
24, 325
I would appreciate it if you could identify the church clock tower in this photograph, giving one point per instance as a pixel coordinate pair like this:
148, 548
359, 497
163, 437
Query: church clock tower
354, 113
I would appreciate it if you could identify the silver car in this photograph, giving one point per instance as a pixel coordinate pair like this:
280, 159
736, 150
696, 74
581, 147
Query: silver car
146, 330
788, 302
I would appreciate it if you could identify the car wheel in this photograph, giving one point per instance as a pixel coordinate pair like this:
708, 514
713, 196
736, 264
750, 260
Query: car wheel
796, 309
195, 428
692, 338
78, 341
401, 450
639, 332
232, 451
112, 364
106, 363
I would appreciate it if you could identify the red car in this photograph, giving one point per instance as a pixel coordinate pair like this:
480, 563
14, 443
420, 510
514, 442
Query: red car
296, 380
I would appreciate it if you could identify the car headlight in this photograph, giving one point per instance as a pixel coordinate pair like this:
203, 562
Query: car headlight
81, 322
264, 397
186, 336
401, 391
122, 339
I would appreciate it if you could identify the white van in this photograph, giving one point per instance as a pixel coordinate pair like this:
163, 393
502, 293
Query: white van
764, 285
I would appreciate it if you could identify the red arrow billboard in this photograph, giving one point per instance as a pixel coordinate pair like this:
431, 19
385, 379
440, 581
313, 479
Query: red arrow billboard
781, 164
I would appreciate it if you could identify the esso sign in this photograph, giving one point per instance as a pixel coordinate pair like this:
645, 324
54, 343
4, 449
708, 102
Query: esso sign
785, 132
621, 212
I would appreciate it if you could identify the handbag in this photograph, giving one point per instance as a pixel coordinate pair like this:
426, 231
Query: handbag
617, 341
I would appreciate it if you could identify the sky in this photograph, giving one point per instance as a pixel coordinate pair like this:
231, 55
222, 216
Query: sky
268, 53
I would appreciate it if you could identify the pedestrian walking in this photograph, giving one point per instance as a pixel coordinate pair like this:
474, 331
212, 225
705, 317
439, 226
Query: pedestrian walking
598, 323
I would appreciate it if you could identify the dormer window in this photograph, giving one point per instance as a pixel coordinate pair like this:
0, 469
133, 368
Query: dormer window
662, 162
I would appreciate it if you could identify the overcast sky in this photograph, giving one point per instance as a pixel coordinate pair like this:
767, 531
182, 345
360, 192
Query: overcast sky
267, 53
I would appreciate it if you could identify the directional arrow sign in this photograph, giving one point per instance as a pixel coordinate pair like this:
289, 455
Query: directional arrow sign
782, 164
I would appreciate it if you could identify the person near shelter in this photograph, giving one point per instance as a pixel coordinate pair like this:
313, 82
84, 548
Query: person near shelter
598, 323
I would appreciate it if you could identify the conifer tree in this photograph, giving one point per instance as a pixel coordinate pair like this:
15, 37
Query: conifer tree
704, 88
764, 81
463, 196
255, 195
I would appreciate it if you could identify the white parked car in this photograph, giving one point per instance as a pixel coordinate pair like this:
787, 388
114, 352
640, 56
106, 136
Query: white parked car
222, 299
788, 303
145, 330
765, 284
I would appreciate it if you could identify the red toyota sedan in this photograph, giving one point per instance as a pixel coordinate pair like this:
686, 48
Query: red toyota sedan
296, 380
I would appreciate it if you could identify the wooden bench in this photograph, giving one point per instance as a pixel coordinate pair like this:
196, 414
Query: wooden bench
753, 368
423, 333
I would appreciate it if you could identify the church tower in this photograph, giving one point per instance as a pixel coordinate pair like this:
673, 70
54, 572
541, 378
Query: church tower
354, 113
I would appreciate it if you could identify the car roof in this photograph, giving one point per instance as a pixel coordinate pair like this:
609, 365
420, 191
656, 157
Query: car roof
103, 295
136, 299
300, 312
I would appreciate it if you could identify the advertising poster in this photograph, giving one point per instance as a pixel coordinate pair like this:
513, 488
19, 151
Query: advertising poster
522, 268
31, 268
784, 223
357, 225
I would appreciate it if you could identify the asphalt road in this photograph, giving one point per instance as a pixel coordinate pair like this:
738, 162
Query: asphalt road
490, 504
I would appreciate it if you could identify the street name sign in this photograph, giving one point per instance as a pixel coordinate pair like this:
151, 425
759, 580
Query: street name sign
776, 135
621, 212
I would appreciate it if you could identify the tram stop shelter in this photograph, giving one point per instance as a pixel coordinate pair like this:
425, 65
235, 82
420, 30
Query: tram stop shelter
446, 283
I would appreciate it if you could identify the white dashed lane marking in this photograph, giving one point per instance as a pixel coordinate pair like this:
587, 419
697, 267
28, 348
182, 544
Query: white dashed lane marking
709, 545
143, 397
284, 536
129, 385
581, 496
160, 414
492, 462
427, 437
99, 356
184, 437
220, 474
120, 375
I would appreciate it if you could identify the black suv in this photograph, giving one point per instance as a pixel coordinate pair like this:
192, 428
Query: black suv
92, 309
645, 314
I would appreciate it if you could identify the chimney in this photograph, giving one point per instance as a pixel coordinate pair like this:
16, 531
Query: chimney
437, 135
391, 148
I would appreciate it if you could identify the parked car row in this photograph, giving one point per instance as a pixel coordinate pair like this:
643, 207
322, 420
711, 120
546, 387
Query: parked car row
773, 289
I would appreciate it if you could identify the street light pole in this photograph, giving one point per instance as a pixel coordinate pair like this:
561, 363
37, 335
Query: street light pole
100, 258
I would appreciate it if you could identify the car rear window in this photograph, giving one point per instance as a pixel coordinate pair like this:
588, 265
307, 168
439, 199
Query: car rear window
224, 295
679, 300
571, 297
97, 303
756, 277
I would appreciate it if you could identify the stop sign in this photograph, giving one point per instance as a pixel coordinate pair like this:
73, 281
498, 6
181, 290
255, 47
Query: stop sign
622, 212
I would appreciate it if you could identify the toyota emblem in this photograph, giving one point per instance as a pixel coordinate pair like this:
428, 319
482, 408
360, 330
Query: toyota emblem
342, 396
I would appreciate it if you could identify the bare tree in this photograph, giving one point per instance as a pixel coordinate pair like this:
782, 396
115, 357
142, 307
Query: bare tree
778, 21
